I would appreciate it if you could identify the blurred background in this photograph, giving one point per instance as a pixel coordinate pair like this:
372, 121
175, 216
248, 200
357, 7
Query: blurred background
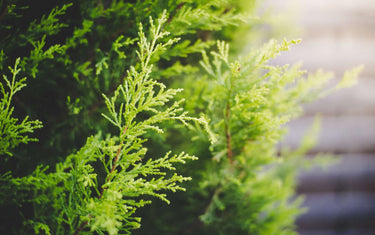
337, 35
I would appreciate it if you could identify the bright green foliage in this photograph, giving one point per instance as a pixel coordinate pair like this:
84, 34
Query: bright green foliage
11, 132
127, 177
81, 201
108, 85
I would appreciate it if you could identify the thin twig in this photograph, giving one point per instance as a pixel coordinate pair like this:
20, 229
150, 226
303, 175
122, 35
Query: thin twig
228, 134
80, 228
114, 161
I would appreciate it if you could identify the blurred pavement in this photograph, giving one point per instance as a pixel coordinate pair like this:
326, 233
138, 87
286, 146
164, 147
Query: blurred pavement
338, 35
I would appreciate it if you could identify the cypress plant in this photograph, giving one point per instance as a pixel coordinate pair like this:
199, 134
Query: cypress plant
119, 93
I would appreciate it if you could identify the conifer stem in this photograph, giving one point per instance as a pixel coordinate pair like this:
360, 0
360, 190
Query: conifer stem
80, 228
114, 164
83, 225
228, 134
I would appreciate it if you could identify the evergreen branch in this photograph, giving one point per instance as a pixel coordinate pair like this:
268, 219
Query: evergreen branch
11, 133
137, 94
85, 223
